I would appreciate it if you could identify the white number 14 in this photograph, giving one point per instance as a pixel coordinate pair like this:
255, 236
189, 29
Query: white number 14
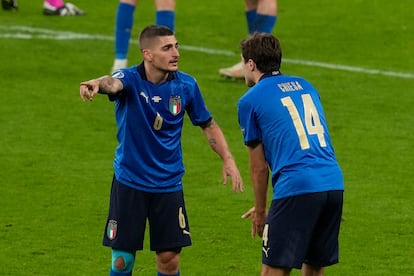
312, 123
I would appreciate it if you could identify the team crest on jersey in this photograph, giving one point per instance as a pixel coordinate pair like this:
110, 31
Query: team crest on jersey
112, 229
175, 105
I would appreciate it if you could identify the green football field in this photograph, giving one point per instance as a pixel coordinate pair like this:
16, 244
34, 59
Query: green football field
56, 151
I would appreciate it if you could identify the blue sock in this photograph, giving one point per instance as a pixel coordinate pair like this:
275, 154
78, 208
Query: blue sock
251, 21
161, 274
265, 23
123, 27
114, 273
166, 18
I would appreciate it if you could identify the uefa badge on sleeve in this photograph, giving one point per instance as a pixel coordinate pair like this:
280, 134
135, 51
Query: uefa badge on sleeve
118, 74
111, 229
175, 105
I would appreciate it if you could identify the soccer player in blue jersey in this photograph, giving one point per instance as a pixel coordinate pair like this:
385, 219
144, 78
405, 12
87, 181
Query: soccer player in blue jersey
150, 102
261, 17
164, 15
286, 134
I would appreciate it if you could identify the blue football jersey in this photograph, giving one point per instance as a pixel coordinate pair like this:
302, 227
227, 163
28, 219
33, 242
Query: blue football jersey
150, 119
286, 115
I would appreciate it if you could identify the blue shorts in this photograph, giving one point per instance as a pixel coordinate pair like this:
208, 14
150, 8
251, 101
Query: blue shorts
129, 211
303, 229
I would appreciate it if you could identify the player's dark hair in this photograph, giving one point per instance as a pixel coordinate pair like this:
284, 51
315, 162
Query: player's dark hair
264, 49
152, 31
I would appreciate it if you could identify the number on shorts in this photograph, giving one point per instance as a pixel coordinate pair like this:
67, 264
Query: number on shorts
265, 236
181, 218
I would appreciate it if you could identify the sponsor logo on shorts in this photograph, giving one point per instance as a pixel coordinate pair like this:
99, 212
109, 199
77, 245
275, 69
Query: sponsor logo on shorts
266, 251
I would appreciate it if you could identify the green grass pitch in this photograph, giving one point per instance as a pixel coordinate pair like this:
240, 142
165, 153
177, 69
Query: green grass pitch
56, 151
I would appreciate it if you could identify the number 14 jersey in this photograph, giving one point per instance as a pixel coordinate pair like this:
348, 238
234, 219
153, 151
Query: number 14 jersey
285, 114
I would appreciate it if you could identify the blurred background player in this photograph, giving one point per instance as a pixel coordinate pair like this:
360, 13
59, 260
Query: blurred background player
50, 7
164, 15
261, 17
60, 8
9, 5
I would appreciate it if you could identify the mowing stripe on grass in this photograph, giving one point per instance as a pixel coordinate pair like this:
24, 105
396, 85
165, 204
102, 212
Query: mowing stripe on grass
27, 32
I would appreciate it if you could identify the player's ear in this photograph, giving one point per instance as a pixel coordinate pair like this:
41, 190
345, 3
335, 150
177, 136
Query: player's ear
251, 64
147, 54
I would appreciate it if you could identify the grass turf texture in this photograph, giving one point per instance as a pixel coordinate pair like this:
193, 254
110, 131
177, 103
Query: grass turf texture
56, 152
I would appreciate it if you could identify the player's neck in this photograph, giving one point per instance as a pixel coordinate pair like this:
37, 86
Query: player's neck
268, 74
156, 76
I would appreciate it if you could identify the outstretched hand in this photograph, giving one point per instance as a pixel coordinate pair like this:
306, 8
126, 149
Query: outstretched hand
258, 221
88, 89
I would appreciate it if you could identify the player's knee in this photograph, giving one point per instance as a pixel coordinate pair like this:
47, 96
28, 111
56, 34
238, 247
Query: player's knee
122, 261
168, 260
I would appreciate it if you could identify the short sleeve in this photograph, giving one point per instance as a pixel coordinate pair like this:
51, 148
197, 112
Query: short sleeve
247, 122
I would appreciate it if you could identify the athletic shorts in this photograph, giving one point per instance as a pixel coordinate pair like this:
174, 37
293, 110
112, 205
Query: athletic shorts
303, 229
129, 211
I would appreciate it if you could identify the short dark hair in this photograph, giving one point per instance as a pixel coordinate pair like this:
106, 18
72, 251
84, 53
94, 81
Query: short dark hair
151, 31
264, 49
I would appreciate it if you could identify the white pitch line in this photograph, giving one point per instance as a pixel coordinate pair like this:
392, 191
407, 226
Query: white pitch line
349, 68
27, 32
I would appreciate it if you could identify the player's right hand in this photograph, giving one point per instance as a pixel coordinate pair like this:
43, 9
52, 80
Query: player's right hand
258, 221
88, 90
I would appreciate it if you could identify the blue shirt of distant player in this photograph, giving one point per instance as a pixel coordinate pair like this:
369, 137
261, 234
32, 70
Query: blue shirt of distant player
285, 114
150, 119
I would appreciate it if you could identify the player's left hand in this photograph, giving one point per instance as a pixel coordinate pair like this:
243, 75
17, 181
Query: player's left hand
231, 170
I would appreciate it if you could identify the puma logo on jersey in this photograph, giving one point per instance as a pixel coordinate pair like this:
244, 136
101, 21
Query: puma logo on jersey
144, 95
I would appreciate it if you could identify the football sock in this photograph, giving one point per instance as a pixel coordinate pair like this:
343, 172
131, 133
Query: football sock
123, 27
165, 18
251, 21
265, 23
114, 273
162, 274
55, 3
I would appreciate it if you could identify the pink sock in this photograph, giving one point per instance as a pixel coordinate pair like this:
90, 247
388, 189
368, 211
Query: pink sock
55, 3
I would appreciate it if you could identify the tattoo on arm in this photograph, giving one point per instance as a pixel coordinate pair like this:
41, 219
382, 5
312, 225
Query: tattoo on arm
212, 142
108, 85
